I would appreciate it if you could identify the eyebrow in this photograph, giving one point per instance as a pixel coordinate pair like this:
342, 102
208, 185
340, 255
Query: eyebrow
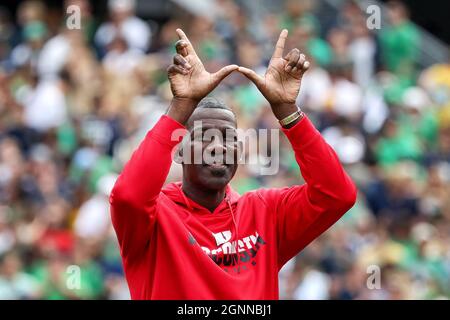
232, 120
204, 128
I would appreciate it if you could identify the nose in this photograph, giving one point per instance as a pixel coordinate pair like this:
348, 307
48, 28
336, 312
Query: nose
216, 147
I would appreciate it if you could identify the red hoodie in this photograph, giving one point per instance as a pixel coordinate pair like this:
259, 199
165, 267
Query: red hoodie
173, 248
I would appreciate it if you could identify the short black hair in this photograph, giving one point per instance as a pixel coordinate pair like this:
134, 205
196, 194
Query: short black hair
213, 103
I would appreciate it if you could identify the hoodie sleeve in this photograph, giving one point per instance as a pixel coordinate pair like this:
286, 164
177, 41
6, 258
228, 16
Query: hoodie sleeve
303, 212
134, 196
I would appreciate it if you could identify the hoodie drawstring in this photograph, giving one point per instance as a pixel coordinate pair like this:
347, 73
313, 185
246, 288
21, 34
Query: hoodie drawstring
236, 230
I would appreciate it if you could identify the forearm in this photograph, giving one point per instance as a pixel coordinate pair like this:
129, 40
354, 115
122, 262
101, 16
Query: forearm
305, 211
327, 182
145, 173
134, 196
180, 109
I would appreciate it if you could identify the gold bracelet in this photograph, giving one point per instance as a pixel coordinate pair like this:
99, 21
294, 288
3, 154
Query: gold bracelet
291, 118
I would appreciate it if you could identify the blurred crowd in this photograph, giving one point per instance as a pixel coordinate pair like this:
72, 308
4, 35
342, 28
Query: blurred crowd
75, 103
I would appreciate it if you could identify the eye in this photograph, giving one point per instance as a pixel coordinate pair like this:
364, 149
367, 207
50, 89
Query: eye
196, 137
230, 138
207, 138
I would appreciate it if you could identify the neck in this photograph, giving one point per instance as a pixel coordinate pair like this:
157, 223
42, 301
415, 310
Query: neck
210, 199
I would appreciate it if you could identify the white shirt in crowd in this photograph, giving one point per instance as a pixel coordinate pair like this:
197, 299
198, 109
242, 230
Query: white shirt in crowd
45, 107
362, 51
134, 30
122, 62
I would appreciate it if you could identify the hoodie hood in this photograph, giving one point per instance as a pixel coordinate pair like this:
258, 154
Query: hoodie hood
174, 192
226, 207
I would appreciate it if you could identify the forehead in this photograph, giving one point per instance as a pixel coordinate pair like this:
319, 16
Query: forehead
212, 118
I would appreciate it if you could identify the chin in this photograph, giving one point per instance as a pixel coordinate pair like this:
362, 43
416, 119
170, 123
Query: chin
216, 183
216, 179
212, 178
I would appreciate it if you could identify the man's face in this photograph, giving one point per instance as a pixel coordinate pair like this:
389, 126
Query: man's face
210, 151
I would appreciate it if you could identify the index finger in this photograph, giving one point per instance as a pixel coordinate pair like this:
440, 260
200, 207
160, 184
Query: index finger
279, 47
180, 47
189, 47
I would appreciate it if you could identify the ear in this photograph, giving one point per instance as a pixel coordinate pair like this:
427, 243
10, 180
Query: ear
178, 156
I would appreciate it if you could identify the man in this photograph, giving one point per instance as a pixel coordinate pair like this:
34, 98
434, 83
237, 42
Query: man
198, 239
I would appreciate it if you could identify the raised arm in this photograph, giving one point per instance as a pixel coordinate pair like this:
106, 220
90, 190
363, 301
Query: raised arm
135, 195
303, 211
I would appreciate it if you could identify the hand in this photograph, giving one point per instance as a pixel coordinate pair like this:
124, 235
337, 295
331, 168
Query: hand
187, 75
281, 83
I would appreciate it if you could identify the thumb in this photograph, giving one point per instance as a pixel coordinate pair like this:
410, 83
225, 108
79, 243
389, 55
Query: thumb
252, 75
222, 73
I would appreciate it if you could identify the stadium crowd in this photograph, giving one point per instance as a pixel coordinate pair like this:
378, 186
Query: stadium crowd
74, 103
